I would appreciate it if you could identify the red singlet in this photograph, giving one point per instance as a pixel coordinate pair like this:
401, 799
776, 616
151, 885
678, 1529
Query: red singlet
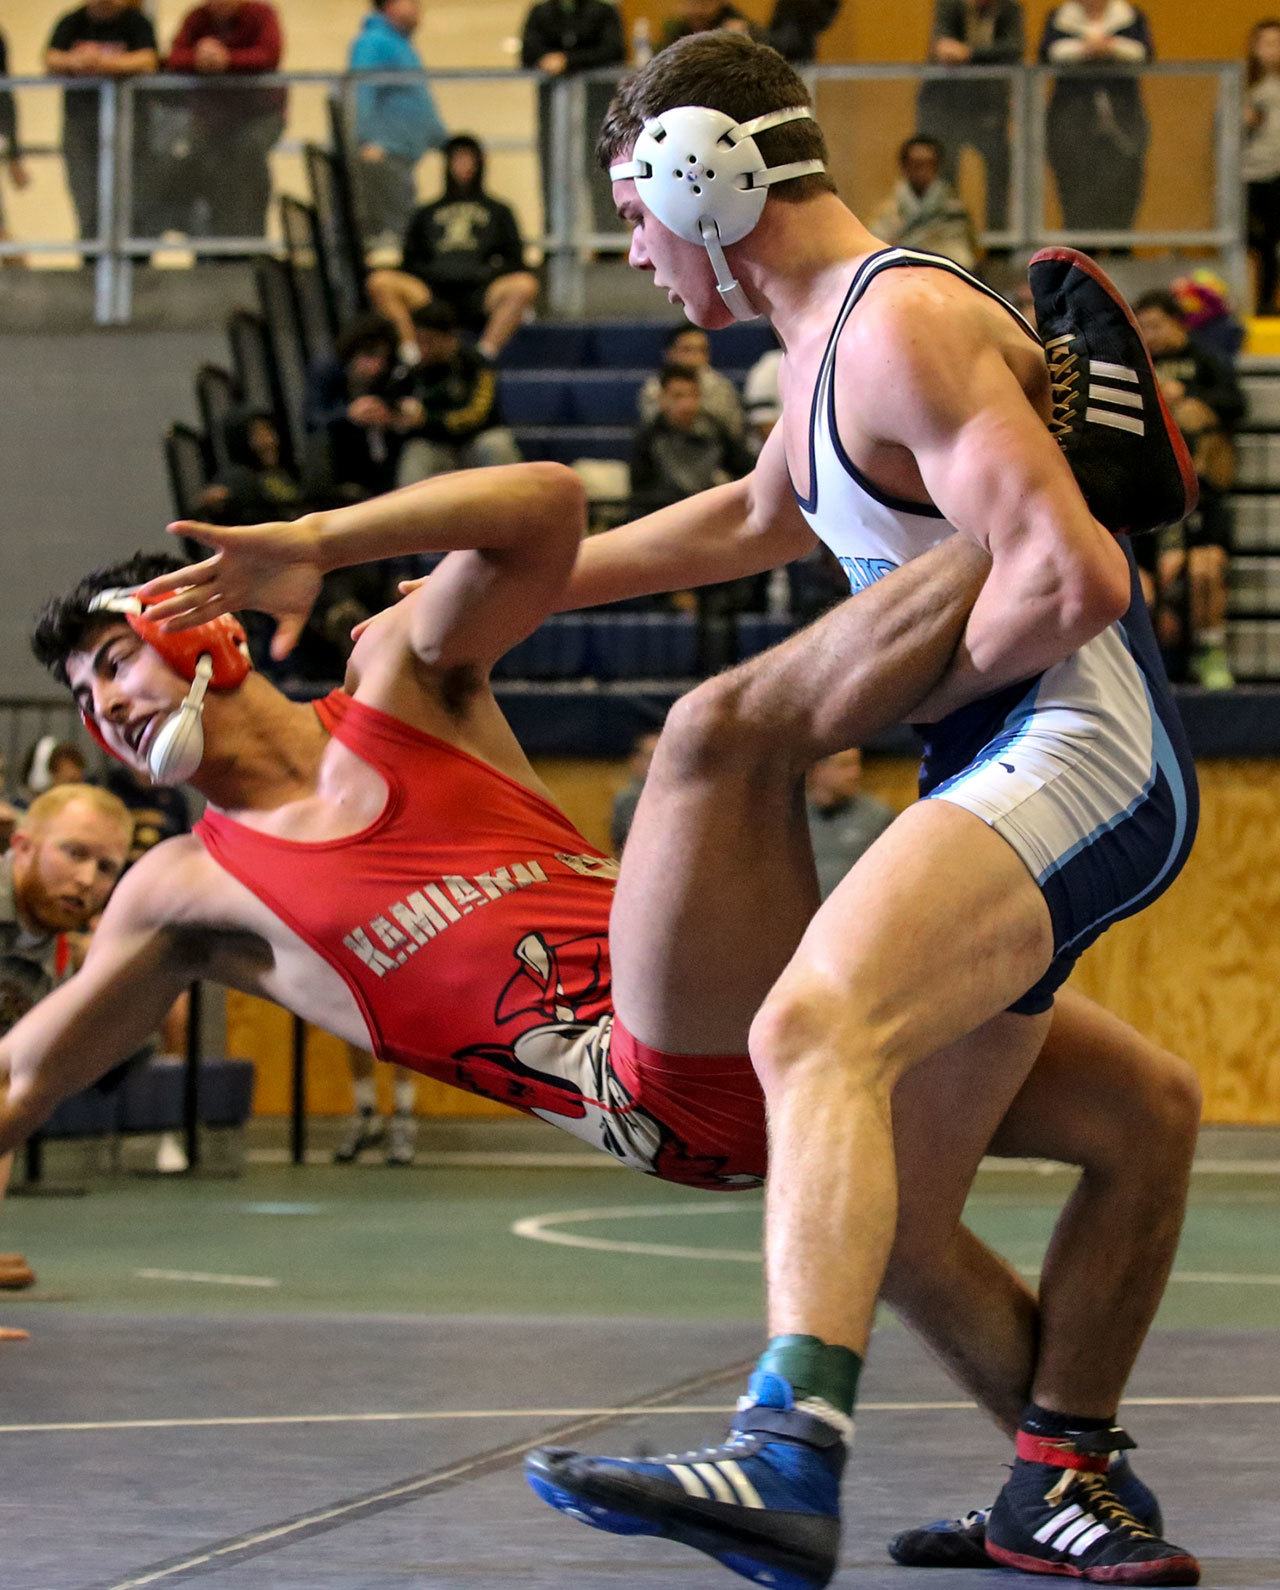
470, 921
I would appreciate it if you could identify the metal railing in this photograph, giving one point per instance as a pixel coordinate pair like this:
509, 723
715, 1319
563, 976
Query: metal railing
1192, 164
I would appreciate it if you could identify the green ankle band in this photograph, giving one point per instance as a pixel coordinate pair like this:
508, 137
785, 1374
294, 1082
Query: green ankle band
814, 1369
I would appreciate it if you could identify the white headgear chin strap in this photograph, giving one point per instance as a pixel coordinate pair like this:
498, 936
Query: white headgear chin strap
178, 748
703, 176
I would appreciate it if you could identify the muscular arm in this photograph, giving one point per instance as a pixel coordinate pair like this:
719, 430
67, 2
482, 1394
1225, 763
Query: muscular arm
135, 969
945, 393
512, 533
745, 527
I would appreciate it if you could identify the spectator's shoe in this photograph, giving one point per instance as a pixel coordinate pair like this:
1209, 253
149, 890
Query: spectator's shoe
1210, 668
1059, 1514
766, 1503
1109, 414
363, 1130
402, 1139
16, 1275
962, 1542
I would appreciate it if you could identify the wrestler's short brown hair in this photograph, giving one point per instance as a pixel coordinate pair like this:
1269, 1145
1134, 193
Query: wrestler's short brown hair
727, 72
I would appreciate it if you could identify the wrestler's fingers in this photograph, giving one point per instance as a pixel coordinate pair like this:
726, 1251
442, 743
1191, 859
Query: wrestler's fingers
288, 632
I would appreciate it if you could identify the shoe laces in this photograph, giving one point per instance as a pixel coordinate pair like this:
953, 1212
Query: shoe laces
742, 1443
1095, 1495
1064, 379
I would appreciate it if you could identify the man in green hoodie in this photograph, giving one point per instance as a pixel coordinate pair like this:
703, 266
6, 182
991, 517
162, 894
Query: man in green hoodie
396, 123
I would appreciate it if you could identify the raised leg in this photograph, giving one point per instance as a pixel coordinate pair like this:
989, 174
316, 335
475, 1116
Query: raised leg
396, 295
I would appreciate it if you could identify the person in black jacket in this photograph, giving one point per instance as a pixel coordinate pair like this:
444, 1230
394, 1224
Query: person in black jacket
353, 420
452, 396
795, 26
9, 133
464, 248
974, 114
562, 37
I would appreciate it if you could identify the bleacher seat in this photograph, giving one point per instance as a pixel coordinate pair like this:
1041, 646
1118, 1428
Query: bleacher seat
643, 646
547, 347
150, 1099
756, 632
562, 444
534, 398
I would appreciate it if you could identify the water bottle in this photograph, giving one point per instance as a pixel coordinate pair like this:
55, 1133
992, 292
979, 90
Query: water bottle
641, 43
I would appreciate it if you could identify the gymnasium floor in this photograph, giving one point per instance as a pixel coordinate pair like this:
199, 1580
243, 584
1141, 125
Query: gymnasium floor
325, 1379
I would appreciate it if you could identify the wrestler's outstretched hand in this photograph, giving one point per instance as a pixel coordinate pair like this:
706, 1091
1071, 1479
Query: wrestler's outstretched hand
269, 568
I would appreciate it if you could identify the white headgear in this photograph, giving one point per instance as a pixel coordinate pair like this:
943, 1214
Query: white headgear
702, 174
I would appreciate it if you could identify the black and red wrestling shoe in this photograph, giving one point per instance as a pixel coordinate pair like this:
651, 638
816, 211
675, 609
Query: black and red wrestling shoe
1109, 414
1058, 1514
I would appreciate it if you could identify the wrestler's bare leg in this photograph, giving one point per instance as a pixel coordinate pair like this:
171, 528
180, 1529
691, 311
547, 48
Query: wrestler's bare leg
1100, 1096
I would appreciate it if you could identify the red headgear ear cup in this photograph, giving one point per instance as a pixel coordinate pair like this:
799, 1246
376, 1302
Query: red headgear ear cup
222, 640
214, 656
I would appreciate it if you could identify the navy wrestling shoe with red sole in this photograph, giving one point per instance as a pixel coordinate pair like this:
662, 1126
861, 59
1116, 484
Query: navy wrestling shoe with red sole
765, 1503
1109, 415
962, 1542
1058, 1514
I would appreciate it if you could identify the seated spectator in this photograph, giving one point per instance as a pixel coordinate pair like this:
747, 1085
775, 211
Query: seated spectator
1097, 128
49, 763
682, 450
450, 397
690, 347
66, 854
703, 16
1207, 312
924, 211
233, 130
969, 113
354, 427
1205, 399
103, 38
762, 396
844, 821
255, 485
795, 26
18, 174
623, 811
396, 123
464, 248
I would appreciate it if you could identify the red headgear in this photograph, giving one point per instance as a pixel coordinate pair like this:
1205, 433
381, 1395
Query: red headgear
213, 655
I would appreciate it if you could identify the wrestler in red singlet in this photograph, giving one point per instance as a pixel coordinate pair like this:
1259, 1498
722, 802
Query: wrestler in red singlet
470, 922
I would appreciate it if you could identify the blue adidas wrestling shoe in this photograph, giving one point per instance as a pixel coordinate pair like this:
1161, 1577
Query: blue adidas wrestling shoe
1059, 1514
962, 1542
1109, 414
766, 1503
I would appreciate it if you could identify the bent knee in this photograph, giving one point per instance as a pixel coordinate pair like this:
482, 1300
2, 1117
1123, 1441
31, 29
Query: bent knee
708, 731
1175, 1101
808, 1022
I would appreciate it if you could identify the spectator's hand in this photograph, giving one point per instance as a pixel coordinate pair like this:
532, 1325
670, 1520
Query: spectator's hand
214, 497
18, 173
1253, 117
1098, 47
373, 153
211, 55
370, 412
86, 60
951, 52
554, 63
736, 25
1194, 417
271, 568
1173, 390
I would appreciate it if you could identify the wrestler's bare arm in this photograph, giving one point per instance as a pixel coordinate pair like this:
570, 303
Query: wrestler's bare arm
741, 528
512, 532
944, 391
138, 963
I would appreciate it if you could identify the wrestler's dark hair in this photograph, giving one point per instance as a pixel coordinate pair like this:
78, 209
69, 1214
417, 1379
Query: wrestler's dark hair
64, 621
727, 72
